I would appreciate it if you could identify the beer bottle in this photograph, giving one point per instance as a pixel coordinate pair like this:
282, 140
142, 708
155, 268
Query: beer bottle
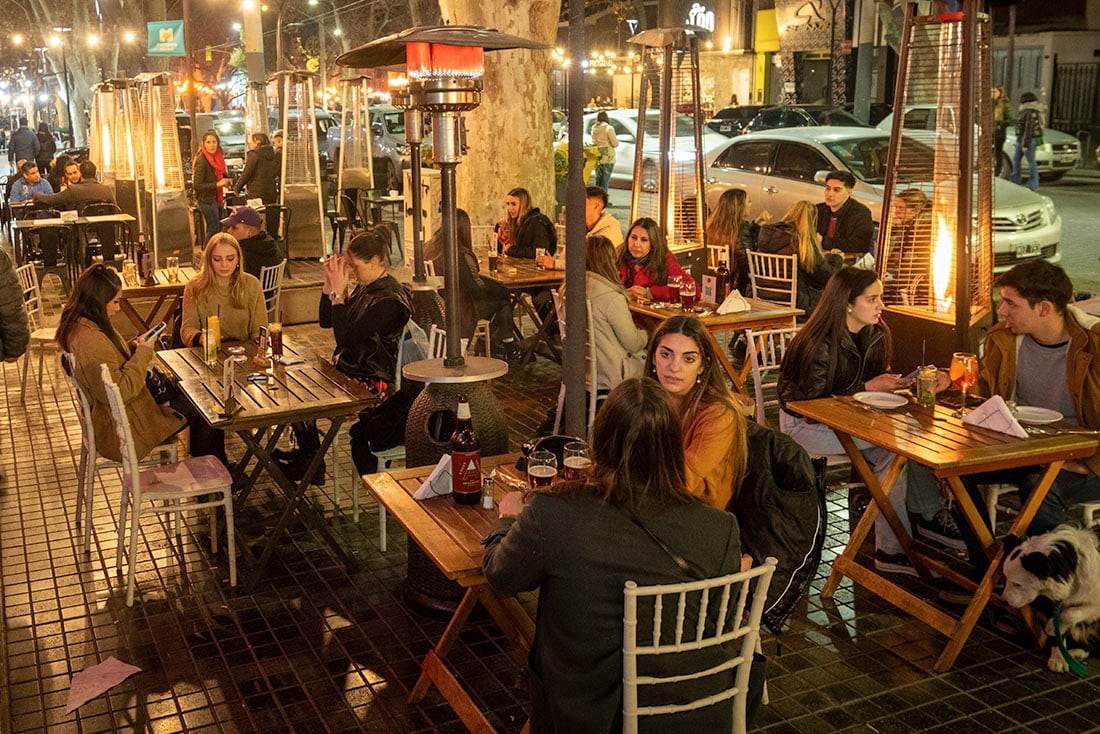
465, 457
145, 262
722, 285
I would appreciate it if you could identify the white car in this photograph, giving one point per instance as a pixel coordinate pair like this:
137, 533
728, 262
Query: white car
1054, 158
625, 125
779, 167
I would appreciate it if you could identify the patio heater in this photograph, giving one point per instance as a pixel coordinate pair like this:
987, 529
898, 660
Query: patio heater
414, 136
255, 111
300, 190
354, 169
165, 197
669, 106
119, 144
101, 141
937, 265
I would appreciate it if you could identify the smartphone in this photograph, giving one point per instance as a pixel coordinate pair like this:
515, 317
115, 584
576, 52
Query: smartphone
909, 379
155, 332
258, 378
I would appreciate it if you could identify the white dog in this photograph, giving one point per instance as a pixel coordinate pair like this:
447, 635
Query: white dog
1064, 566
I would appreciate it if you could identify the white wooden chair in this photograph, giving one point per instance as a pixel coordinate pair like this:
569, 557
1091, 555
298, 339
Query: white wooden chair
591, 379
765, 353
1090, 511
189, 479
271, 281
774, 278
682, 612
43, 338
90, 460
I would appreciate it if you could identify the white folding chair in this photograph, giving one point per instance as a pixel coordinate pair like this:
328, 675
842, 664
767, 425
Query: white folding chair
172, 483
271, 281
437, 343
766, 350
43, 338
90, 460
591, 379
774, 278
694, 615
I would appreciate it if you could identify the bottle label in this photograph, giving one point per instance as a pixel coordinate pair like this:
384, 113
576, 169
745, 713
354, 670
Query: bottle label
466, 472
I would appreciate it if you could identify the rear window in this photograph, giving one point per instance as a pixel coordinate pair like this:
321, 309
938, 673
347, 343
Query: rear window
747, 156
395, 122
836, 117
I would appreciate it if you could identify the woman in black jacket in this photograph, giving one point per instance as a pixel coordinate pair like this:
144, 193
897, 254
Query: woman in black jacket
47, 147
525, 229
208, 179
258, 176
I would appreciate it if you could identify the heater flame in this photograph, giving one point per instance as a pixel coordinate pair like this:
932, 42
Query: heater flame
942, 266
158, 157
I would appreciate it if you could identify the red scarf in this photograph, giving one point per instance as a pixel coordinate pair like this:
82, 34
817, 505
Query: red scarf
217, 162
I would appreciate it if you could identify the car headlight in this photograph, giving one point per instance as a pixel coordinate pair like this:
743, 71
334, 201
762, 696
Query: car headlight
1048, 208
403, 148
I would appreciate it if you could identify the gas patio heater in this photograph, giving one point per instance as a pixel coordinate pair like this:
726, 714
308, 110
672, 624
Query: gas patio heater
165, 198
935, 245
414, 136
255, 111
667, 174
118, 143
300, 190
354, 167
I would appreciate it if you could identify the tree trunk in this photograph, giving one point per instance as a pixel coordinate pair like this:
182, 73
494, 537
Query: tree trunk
509, 135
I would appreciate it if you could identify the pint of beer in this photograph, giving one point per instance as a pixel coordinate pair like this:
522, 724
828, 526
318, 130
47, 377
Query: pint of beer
275, 333
542, 467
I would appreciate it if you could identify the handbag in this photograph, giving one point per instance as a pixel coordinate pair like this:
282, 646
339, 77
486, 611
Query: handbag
163, 389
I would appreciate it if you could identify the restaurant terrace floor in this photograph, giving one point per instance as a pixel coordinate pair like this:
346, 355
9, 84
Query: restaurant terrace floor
316, 646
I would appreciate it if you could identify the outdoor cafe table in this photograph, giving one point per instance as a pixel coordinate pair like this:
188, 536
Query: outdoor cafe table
168, 295
761, 315
521, 275
951, 449
23, 227
305, 390
450, 535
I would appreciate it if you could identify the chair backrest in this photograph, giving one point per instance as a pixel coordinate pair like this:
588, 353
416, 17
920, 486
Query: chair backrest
32, 297
271, 281
125, 436
437, 343
682, 619
765, 353
83, 407
43, 214
591, 378
280, 219
350, 211
774, 277
99, 209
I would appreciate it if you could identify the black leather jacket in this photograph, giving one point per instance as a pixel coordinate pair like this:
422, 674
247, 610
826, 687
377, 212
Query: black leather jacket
368, 328
859, 357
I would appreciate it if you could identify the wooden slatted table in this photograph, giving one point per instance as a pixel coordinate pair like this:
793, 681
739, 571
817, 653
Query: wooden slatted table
952, 450
308, 389
761, 315
168, 298
530, 279
450, 535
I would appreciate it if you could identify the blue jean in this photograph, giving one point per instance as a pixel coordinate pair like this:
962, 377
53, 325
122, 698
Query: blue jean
1033, 169
603, 175
211, 214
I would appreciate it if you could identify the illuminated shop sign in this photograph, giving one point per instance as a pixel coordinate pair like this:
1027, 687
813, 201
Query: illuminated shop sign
701, 17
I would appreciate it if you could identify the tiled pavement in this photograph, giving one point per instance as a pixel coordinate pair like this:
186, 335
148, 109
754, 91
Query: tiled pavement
316, 647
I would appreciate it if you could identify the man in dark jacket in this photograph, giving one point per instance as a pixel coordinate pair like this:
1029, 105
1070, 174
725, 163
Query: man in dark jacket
14, 332
258, 176
47, 148
844, 223
83, 188
259, 249
24, 145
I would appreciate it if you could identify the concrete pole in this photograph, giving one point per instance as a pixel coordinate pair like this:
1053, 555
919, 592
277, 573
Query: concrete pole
865, 51
253, 36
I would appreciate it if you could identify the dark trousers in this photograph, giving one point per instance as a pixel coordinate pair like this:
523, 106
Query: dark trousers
382, 427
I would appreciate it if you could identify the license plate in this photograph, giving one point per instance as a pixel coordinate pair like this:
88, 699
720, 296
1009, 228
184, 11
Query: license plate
1029, 250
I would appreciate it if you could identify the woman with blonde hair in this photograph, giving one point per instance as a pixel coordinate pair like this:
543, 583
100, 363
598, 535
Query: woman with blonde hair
683, 360
525, 229
223, 289
796, 234
729, 228
1002, 118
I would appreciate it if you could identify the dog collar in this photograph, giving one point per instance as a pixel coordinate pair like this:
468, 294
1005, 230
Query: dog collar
1075, 666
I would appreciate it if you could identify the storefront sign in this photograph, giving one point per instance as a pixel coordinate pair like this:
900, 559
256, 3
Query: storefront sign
166, 38
701, 17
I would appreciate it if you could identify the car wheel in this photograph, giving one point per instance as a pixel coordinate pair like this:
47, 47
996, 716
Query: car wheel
649, 176
1052, 177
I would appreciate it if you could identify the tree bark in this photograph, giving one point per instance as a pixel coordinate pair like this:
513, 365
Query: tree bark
509, 135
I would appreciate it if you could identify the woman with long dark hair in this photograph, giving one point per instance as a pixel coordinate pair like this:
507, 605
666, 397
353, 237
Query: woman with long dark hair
645, 264
259, 174
208, 180
579, 542
728, 226
682, 359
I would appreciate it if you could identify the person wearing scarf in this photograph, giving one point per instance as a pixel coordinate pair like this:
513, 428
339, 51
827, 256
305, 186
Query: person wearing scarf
208, 179
645, 264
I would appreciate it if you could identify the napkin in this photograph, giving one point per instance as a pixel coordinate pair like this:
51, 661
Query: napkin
98, 679
254, 203
734, 303
438, 482
995, 415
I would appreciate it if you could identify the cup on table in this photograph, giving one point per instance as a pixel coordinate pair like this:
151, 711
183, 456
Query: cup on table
688, 293
173, 265
540, 252
674, 284
209, 348
542, 468
493, 259
576, 460
394, 193
275, 334
129, 272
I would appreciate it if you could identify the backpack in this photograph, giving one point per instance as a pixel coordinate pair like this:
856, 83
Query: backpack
780, 510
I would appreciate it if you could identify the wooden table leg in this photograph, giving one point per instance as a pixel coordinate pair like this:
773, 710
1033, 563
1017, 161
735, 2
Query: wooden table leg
735, 376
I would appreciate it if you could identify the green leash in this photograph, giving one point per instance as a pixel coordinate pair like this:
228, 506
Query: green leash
1076, 667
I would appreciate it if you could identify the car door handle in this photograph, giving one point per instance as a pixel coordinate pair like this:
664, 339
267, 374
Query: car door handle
770, 190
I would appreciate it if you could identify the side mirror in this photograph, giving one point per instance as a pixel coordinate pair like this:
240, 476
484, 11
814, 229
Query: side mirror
819, 177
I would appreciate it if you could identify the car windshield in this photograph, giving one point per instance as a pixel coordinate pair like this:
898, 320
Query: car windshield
866, 157
230, 128
835, 117
684, 126
395, 122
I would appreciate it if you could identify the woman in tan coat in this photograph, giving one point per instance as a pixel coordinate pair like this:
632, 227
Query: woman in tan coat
86, 332
224, 290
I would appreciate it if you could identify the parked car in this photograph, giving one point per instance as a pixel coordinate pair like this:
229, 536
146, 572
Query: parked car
1055, 157
388, 146
807, 115
731, 121
877, 111
779, 167
324, 122
230, 129
625, 124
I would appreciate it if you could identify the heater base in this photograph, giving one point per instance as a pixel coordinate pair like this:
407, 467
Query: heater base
923, 340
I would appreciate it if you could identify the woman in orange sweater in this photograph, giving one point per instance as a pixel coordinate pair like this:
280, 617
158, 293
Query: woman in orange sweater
681, 357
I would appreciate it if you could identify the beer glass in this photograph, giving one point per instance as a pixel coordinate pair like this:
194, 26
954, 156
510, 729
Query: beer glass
576, 461
542, 467
674, 284
687, 295
173, 265
275, 334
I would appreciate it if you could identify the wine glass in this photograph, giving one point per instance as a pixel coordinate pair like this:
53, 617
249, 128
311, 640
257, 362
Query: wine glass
542, 467
964, 373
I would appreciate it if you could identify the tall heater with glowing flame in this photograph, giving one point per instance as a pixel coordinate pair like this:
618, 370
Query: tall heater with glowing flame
117, 143
300, 188
354, 168
165, 197
936, 244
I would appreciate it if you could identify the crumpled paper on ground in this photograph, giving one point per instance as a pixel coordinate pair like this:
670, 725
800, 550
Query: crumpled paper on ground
438, 482
96, 680
734, 303
995, 415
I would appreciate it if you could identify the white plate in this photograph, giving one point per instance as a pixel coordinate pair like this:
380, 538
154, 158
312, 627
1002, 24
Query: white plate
881, 399
1034, 415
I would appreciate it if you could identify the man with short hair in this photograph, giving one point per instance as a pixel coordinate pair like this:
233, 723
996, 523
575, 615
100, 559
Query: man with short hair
259, 248
29, 184
1045, 352
24, 145
83, 188
596, 221
844, 223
